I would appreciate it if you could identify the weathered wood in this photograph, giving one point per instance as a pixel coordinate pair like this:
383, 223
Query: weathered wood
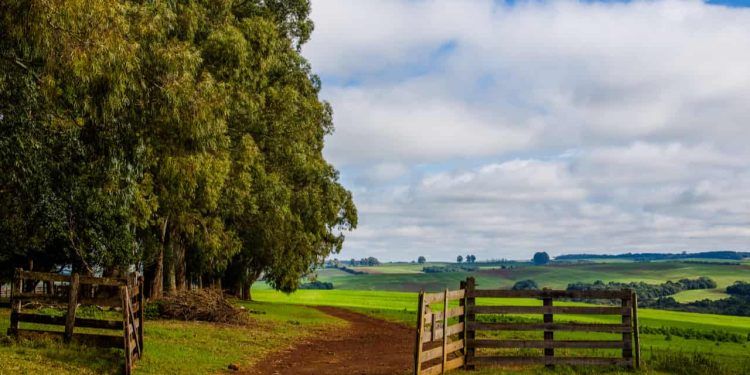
433, 326
438, 297
445, 330
139, 313
112, 301
452, 313
134, 325
636, 332
540, 344
420, 332
627, 337
15, 303
434, 353
29, 296
584, 294
100, 341
452, 330
61, 320
439, 368
594, 310
70, 317
505, 360
126, 330
577, 327
549, 335
462, 318
470, 334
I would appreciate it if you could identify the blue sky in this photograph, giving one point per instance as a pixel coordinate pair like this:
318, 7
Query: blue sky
502, 129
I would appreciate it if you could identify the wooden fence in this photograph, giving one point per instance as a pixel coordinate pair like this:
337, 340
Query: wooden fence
72, 291
463, 348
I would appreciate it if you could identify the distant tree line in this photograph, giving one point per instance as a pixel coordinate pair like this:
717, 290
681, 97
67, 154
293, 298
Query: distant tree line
321, 285
648, 291
645, 257
450, 268
734, 305
364, 262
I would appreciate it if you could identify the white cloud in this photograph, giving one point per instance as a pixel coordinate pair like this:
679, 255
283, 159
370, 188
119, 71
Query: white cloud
564, 125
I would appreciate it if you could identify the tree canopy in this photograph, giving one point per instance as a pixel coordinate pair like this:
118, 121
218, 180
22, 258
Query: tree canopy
540, 258
182, 138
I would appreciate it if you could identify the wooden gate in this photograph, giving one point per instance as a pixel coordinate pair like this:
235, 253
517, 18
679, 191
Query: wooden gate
464, 349
124, 293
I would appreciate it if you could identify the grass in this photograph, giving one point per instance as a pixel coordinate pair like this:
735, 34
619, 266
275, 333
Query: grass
700, 294
173, 347
407, 278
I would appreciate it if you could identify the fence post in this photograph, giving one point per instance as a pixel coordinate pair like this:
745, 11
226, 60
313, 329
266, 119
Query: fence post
420, 330
124, 297
445, 331
141, 307
70, 318
636, 331
549, 335
462, 319
15, 302
627, 336
470, 319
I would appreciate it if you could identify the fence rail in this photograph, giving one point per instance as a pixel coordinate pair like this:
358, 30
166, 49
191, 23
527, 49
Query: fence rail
442, 346
63, 290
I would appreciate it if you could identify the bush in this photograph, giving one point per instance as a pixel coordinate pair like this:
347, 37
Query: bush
322, 285
525, 285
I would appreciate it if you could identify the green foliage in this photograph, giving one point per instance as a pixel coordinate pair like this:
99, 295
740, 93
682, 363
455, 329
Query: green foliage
184, 136
525, 285
540, 258
421, 259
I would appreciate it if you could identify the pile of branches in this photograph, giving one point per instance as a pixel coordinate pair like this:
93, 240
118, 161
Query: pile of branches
208, 305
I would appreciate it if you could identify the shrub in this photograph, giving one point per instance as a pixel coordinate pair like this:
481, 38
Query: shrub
322, 285
525, 285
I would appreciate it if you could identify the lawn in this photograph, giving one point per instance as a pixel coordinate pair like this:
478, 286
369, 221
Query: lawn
173, 347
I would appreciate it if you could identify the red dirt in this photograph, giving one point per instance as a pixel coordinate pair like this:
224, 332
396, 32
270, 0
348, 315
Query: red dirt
367, 346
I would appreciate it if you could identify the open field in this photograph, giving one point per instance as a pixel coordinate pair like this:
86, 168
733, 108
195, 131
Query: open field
408, 278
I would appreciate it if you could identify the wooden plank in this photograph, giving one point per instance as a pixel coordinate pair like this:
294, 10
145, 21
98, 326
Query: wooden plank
434, 353
636, 332
503, 360
594, 310
462, 318
540, 344
577, 327
133, 325
99, 341
61, 320
126, 331
452, 330
438, 297
452, 312
584, 294
88, 280
420, 334
470, 333
549, 335
139, 312
438, 369
70, 317
44, 276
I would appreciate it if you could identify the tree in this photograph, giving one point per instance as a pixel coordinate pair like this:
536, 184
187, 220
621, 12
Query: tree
421, 260
181, 137
540, 258
471, 259
459, 259
525, 285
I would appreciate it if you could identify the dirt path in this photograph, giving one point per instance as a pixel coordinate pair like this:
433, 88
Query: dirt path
366, 346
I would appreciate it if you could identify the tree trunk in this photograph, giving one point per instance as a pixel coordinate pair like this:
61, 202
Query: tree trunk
180, 266
157, 277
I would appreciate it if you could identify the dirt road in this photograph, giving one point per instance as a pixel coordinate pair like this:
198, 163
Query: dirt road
367, 346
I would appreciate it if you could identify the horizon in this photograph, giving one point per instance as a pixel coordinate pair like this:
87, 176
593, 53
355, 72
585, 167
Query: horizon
505, 127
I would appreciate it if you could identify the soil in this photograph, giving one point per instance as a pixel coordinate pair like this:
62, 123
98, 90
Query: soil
367, 346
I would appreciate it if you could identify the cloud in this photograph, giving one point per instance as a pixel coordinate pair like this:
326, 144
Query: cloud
562, 125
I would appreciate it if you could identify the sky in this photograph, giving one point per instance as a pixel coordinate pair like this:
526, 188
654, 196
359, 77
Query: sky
505, 128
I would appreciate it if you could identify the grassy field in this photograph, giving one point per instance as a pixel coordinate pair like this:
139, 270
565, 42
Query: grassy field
408, 278
172, 347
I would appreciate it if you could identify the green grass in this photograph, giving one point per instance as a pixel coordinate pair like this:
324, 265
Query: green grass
172, 347
700, 294
406, 277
